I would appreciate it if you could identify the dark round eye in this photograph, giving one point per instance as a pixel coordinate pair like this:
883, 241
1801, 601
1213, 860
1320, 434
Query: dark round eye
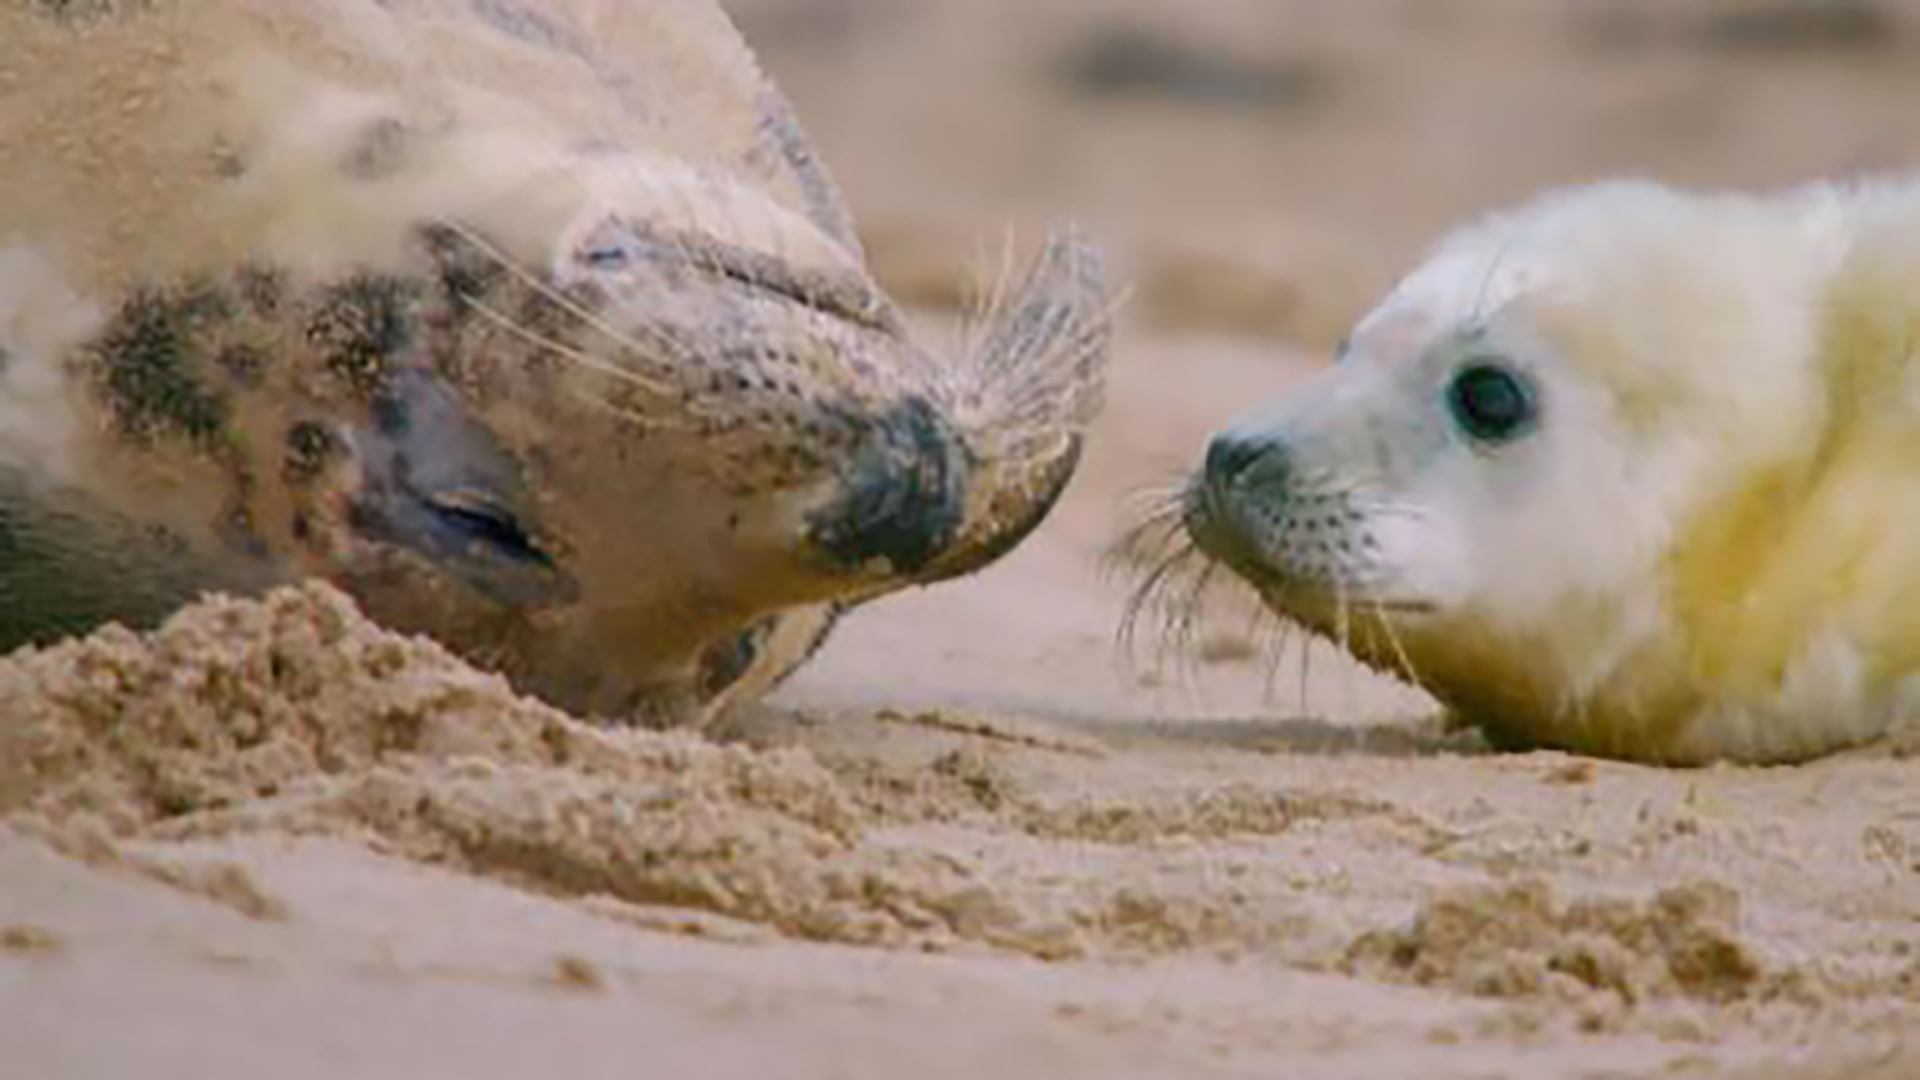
1492, 403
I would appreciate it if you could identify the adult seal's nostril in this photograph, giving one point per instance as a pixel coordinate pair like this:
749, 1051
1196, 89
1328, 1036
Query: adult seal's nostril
1230, 458
905, 496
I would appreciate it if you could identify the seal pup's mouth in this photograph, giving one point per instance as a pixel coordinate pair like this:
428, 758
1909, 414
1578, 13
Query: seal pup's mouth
1308, 548
1205, 531
1318, 506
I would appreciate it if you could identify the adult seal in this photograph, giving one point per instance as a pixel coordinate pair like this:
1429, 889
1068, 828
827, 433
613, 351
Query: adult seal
1626, 471
534, 325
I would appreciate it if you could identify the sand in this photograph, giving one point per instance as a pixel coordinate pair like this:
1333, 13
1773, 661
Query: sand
979, 836
273, 838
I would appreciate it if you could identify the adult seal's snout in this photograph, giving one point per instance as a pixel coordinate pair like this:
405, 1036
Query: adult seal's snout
905, 496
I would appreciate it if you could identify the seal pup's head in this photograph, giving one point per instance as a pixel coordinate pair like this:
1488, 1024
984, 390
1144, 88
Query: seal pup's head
1592, 475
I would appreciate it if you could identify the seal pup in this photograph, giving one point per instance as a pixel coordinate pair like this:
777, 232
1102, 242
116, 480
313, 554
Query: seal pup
534, 325
1627, 471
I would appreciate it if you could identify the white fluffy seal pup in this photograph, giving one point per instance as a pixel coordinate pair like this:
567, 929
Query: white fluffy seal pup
1627, 471
535, 325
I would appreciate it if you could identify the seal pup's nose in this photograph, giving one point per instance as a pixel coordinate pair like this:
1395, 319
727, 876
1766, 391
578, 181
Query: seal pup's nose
1230, 458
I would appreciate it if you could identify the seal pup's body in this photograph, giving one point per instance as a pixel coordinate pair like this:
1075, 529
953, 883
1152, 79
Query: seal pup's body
1626, 471
533, 324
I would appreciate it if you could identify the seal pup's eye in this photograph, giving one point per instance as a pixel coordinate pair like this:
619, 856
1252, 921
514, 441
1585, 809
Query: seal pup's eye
1492, 403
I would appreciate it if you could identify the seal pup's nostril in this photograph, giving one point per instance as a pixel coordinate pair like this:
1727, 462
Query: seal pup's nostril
1230, 457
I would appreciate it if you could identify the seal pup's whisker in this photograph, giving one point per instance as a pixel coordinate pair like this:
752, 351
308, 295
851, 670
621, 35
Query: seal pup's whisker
1192, 611
1344, 607
1279, 637
1383, 621
1157, 541
1477, 314
1302, 706
1152, 597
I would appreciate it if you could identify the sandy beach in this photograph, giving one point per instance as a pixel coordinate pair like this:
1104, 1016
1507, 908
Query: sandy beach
983, 834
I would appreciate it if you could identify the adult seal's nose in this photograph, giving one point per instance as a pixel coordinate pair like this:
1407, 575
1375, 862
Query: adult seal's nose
905, 496
1232, 458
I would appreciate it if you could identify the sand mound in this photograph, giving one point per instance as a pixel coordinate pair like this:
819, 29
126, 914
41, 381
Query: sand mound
297, 715
294, 715
244, 738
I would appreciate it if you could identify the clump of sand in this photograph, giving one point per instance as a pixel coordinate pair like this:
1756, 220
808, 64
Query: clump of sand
1519, 941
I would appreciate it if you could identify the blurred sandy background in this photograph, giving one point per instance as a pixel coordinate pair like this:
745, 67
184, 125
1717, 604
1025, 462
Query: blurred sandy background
1262, 166
975, 838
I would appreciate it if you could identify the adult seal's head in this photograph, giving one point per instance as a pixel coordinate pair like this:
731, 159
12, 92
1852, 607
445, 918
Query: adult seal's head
535, 325
1626, 471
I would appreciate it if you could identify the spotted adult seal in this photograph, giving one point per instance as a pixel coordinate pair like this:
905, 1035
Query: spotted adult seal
535, 325
1627, 471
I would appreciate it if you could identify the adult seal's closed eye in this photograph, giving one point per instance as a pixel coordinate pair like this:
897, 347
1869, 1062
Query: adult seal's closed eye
1626, 471
535, 325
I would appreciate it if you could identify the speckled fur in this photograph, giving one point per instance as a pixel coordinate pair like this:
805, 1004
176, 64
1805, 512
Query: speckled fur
535, 325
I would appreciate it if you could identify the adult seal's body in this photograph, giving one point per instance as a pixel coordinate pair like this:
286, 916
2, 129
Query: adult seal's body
533, 324
1627, 471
